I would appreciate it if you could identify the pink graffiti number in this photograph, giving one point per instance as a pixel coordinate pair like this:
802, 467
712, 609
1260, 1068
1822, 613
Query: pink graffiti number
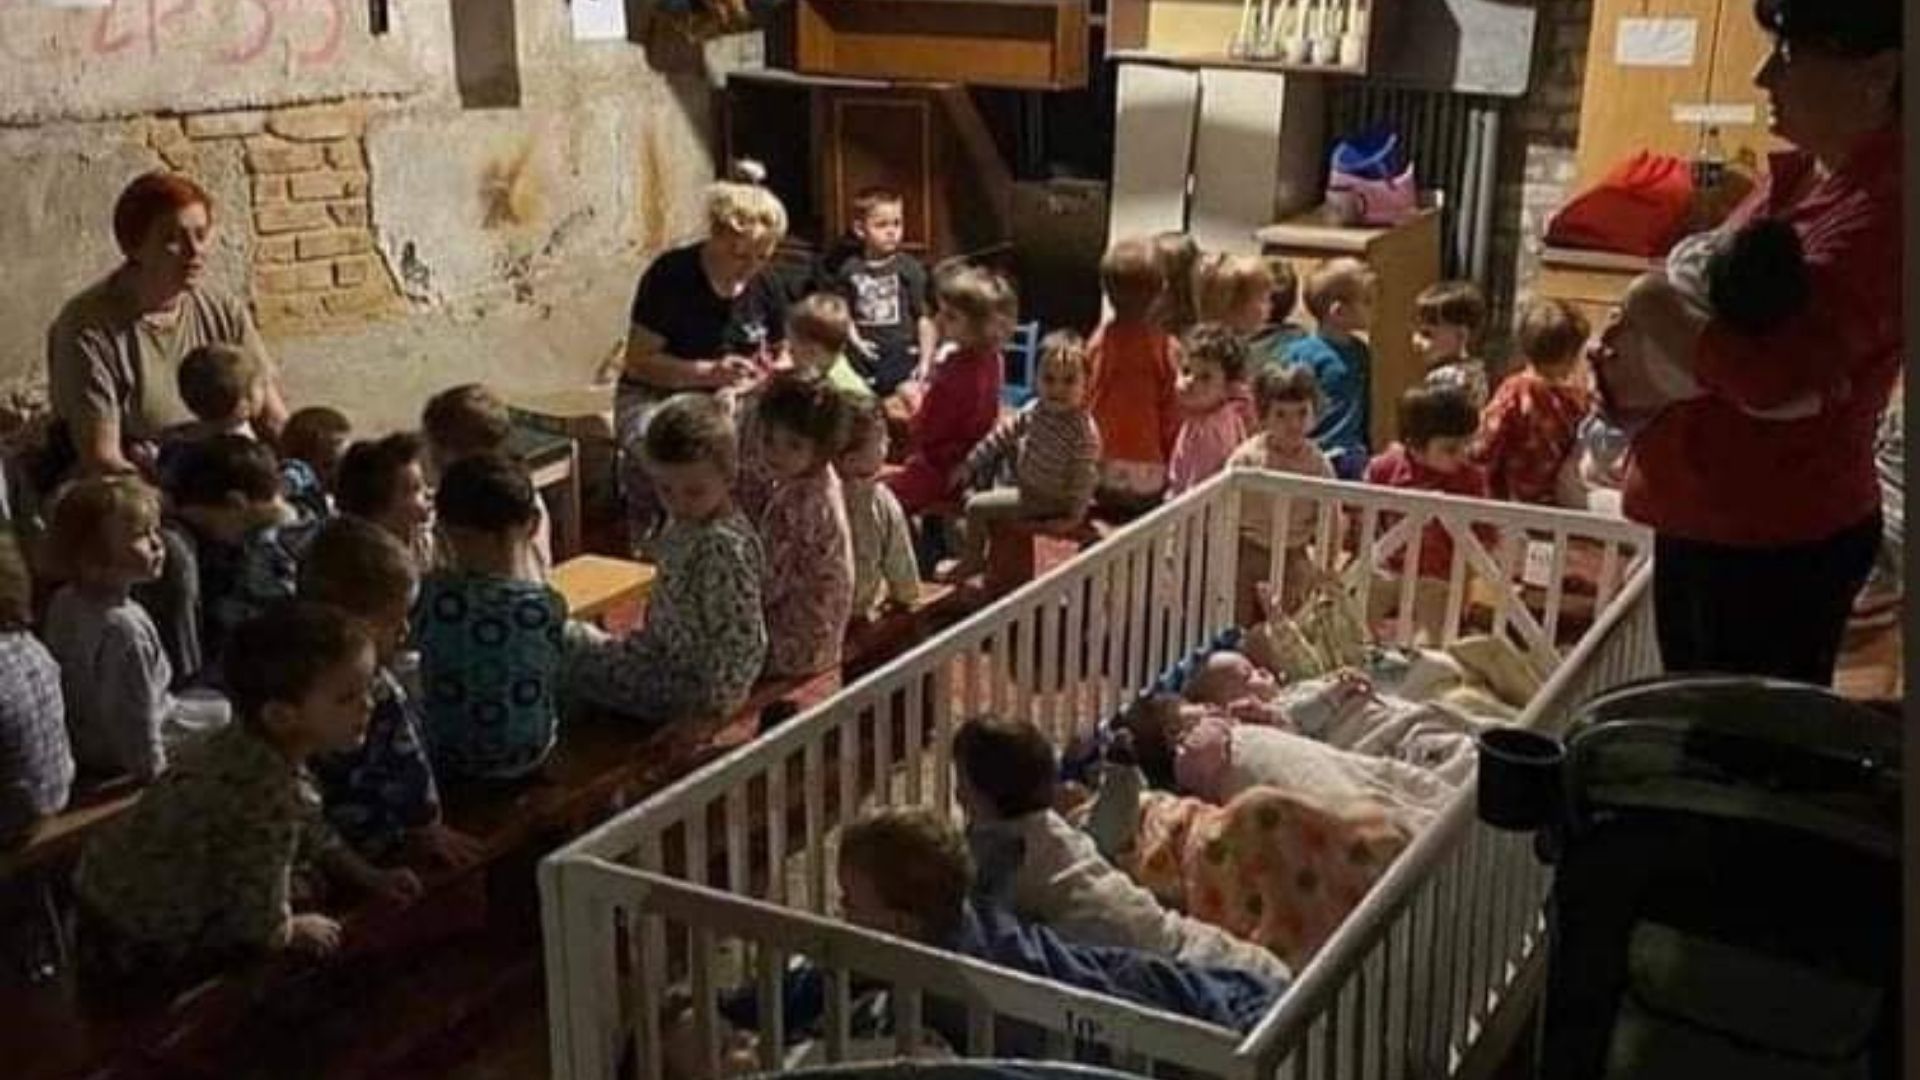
106, 42
268, 11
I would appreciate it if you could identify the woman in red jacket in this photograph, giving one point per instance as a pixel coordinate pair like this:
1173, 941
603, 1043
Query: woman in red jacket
1765, 529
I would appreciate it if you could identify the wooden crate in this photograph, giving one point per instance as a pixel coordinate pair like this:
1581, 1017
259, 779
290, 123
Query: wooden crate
1406, 257
1020, 44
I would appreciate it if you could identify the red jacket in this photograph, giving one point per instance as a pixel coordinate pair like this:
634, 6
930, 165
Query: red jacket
960, 408
1136, 367
1706, 471
1396, 468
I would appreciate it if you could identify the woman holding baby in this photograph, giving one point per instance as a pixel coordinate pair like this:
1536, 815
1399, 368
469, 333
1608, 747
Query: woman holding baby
1761, 489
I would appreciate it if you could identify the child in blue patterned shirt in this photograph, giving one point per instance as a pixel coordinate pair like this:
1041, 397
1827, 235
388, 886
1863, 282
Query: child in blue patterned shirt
488, 629
380, 796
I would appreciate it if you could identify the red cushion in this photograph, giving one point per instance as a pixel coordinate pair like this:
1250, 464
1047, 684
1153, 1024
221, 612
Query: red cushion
1640, 208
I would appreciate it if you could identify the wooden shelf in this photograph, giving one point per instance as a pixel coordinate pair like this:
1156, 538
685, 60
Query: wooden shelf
1017, 44
1223, 60
1199, 33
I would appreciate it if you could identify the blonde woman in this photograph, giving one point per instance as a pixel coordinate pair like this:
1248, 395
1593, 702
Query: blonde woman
705, 317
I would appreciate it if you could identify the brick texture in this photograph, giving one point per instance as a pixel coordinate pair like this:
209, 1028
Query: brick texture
228, 125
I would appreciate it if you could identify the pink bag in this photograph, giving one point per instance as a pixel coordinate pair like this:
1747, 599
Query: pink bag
1358, 200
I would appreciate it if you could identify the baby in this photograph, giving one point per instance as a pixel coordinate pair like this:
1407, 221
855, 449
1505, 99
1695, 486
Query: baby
1748, 278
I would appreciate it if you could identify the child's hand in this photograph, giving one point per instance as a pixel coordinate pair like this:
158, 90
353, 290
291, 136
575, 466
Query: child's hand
400, 886
734, 370
442, 846
313, 935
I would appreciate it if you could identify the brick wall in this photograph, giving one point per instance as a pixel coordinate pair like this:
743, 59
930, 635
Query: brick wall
1537, 136
312, 259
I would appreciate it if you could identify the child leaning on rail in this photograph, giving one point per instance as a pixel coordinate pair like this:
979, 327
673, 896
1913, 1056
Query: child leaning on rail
906, 872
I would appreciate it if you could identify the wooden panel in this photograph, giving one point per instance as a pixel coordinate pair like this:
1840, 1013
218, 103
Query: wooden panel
1152, 149
1026, 44
1739, 48
1626, 109
882, 140
1236, 156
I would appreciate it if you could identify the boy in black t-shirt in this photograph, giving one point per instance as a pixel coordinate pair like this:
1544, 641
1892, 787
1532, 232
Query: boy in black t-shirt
886, 288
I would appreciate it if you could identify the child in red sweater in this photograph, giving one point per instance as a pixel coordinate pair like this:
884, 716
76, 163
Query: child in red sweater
976, 316
1136, 369
1436, 427
1532, 424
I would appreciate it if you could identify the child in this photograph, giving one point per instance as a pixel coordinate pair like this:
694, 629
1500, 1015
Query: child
1340, 295
1271, 343
115, 675
385, 482
380, 796
809, 597
705, 636
1436, 430
1286, 398
886, 289
1448, 317
1178, 257
1234, 290
311, 446
1213, 420
883, 566
1007, 778
490, 636
196, 874
906, 872
471, 419
1055, 449
817, 335
36, 762
1133, 395
977, 308
1533, 422
223, 386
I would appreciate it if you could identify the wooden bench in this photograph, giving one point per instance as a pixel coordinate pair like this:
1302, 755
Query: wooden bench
1013, 556
598, 585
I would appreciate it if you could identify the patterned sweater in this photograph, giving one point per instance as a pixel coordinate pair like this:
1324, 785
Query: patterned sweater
1205, 443
882, 547
1056, 455
1526, 432
809, 597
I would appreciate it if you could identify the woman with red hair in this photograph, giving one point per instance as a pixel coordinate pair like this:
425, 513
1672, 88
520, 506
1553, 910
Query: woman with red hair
115, 350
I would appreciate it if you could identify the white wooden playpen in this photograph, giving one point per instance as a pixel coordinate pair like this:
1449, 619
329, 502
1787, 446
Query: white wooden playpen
738, 854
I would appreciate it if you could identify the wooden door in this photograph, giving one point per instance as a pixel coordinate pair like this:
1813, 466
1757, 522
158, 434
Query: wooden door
883, 140
1625, 108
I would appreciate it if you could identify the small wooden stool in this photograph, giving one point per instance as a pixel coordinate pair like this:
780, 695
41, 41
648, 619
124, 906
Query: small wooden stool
1011, 556
595, 585
552, 462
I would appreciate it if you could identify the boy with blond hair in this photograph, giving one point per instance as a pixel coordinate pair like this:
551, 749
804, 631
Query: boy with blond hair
1340, 294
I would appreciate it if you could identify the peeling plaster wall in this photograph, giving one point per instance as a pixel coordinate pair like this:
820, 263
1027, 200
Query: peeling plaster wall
391, 239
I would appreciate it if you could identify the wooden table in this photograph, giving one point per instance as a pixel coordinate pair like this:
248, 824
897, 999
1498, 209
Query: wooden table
595, 585
553, 462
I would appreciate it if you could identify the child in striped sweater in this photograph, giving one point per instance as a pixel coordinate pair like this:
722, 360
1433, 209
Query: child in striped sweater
1056, 452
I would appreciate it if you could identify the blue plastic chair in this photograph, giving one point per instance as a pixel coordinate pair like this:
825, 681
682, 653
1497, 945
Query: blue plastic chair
1023, 361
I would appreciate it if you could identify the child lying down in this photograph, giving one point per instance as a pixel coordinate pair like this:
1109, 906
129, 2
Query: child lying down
1050, 872
907, 872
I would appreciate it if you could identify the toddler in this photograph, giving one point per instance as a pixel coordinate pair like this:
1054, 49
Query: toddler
1448, 317
884, 570
195, 875
1286, 397
1055, 450
906, 872
705, 636
1436, 431
1340, 294
36, 761
490, 636
1214, 420
1134, 392
1179, 258
1748, 278
819, 329
311, 446
977, 309
115, 676
223, 386
1532, 424
469, 420
804, 529
1051, 872
1271, 342
385, 481
886, 290
1235, 291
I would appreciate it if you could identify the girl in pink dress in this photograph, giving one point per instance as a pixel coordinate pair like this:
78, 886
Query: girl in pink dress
802, 424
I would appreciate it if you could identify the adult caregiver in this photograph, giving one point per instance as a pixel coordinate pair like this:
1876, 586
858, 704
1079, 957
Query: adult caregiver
114, 352
705, 317
1765, 529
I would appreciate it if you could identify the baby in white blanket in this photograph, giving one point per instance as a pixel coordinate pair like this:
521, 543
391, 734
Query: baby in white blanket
1052, 873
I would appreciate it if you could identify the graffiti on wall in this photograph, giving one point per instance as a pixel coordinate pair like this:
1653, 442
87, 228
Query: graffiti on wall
229, 33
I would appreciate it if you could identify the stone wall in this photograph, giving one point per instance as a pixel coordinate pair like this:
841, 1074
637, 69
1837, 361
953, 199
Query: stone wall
391, 236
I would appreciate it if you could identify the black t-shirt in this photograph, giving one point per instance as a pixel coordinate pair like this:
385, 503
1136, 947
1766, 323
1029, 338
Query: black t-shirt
676, 301
888, 299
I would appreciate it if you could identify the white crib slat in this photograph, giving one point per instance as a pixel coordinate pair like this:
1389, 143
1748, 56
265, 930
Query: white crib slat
1373, 1004
1609, 577
1410, 576
915, 699
706, 1004
906, 1021
999, 673
839, 1013
738, 879
1363, 555
777, 829
882, 712
649, 974
1556, 587
771, 967
814, 779
1419, 969
1512, 544
1162, 576
942, 736
1101, 674
1051, 631
1193, 618
1140, 570
849, 799
979, 1031
1398, 995
699, 854
1079, 654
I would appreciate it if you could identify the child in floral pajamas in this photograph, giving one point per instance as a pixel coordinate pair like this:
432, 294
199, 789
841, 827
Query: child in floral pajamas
803, 422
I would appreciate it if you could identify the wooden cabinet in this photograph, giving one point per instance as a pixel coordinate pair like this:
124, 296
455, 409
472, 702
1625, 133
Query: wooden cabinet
1407, 259
1020, 44
1590, 281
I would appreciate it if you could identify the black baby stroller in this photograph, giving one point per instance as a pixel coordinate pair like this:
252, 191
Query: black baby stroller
1726, 894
